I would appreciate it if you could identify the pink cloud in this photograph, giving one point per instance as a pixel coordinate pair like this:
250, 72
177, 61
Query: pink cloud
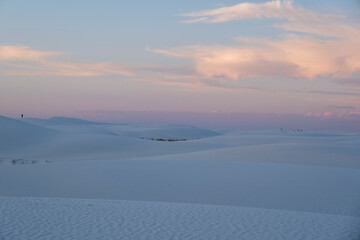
345, 114
30, 62
320, 114
23, 53
350, 114
170, 81
294, 56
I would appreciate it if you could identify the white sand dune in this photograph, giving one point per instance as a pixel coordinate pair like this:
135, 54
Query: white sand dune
323, 190
74, 125
161, 132
230, 185
34, 218
327, 154
63, 139
16, 135
70, 125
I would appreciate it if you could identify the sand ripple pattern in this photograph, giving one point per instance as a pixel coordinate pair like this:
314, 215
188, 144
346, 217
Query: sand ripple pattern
44, 218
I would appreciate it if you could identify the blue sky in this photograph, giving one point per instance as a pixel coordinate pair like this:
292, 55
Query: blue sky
88, 56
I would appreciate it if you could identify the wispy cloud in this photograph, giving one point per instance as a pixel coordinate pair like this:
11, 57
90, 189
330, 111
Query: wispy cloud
281, 9
173, 81
201, 83
25, 61
343, 107
349, 114
353, 82
24, 53
320, 114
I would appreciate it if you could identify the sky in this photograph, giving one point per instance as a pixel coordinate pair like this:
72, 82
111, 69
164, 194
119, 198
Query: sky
215, 63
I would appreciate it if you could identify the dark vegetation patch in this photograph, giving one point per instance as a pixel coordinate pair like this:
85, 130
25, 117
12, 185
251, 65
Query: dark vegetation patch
168, 139
20, 161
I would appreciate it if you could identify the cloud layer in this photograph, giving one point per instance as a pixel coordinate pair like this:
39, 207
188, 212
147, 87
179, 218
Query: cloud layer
294, 56
329, 47
25, 61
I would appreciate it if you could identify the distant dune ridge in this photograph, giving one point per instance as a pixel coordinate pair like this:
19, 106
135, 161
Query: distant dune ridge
16, 134
86, 180
63, 138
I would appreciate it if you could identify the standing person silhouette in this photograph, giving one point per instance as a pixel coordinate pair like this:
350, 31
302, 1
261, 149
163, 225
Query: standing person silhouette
22, 115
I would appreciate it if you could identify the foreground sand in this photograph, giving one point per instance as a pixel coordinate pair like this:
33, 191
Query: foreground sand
34, 218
